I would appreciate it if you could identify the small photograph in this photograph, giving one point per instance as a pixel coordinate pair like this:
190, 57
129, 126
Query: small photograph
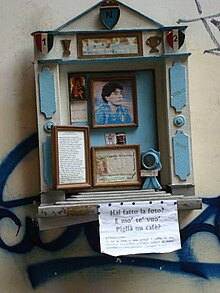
115, 138
110, 138
120, 138
114, 101
77, 87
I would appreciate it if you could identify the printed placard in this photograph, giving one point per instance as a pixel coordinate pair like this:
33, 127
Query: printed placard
139, 227
71, 159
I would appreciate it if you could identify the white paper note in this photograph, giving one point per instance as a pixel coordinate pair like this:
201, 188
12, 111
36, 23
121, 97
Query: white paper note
139, 227
71, 151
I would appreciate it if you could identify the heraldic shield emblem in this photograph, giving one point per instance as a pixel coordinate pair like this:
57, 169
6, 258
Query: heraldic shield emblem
109, 13
175, 39
44, 42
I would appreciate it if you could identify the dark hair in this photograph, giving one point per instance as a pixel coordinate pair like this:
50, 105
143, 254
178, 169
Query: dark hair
110, 87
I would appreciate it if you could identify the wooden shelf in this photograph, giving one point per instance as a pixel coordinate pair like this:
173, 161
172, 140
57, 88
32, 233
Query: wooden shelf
82, 207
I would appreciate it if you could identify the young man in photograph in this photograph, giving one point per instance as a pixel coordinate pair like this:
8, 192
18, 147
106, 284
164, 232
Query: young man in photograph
111, 110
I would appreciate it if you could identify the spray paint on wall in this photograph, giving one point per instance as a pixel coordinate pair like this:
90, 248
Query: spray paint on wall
40, 273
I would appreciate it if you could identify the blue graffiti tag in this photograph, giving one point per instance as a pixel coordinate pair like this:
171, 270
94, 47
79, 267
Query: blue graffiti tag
31, 236
9, 163
62, 266
43, 272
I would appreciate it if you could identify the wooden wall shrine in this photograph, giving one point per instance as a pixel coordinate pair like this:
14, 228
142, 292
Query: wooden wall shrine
143, 152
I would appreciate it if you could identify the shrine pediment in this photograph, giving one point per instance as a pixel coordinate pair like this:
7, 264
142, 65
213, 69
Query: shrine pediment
109, 29
127, 18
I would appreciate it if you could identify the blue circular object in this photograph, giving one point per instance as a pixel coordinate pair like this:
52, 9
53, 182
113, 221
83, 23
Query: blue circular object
179, 120
150, 160
48, 126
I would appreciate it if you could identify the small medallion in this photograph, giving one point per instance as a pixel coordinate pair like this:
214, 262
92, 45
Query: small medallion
109, 13
175, 39
44, 42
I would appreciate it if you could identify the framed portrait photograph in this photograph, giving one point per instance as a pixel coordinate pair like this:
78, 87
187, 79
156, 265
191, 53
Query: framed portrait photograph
77, 87
113, 101
108, 45
71, 157
116, 166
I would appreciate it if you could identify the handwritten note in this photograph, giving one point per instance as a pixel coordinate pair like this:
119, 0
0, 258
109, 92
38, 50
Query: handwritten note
119, 165
139, 227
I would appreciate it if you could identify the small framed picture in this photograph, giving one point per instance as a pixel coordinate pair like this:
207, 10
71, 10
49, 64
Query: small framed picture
110, 138
120, 138
108, 45
71, 157
116, 166
113, 101
77, 87
115, 138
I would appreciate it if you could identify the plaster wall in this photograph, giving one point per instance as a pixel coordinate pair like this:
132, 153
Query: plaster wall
66, 260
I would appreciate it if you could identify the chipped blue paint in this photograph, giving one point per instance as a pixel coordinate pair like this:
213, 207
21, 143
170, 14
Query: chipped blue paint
47, 153
113, 60
178, 86
47, 92
181, 155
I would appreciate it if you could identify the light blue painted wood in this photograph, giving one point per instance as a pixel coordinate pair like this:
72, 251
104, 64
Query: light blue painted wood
79, 123
47, 92
156, 159
47, 164
178, 86
146, 132
151, 183
184, 54
73, 32
113, 60
181, 155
